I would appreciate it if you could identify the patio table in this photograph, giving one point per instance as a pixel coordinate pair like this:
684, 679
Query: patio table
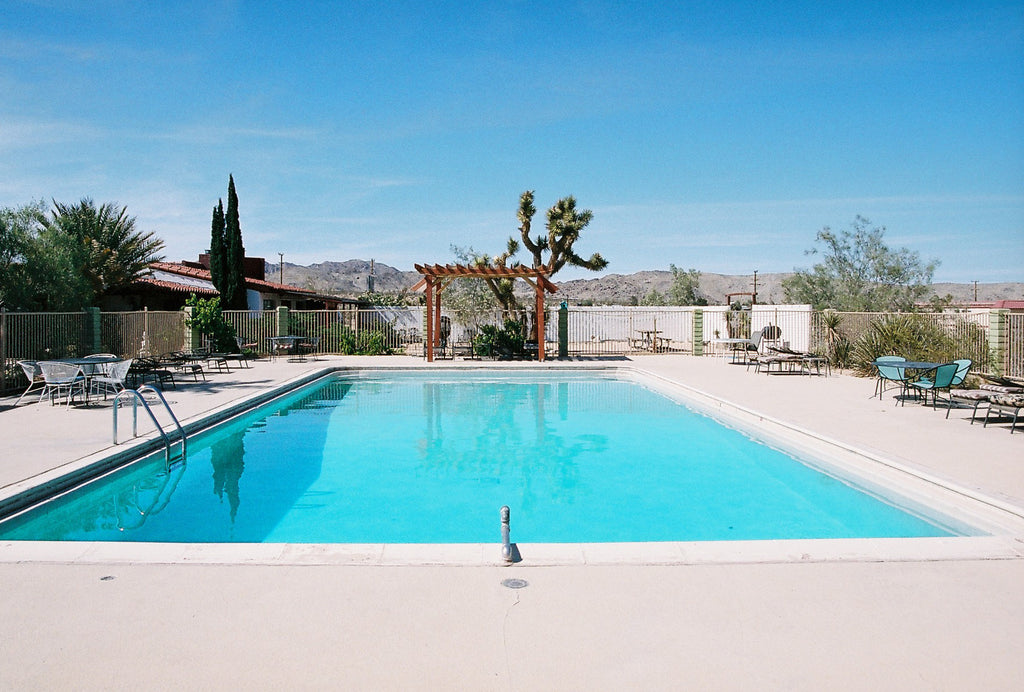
732, 344
288, 342
909, 364
86, 363
649, 339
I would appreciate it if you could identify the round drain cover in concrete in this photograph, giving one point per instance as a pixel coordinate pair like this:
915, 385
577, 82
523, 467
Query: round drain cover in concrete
515, 583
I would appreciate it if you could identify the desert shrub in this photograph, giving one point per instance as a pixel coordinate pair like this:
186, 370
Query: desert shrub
372, 343
347, 342
915, 337
504, 343
737, 323
838, 348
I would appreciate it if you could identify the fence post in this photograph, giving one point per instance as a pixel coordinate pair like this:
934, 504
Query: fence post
92, 330
997, 336
698, 332
281, 329
563, 330
3, 350
192, 338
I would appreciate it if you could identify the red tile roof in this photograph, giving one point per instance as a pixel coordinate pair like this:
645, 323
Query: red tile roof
180, 288
196, 273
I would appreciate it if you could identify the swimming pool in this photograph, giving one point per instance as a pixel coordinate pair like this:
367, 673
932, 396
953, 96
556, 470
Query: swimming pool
429, 457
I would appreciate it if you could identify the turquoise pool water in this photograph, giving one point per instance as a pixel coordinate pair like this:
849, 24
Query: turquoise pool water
431, 457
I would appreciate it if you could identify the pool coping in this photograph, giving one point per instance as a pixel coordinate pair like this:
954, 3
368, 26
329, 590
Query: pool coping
1003, 521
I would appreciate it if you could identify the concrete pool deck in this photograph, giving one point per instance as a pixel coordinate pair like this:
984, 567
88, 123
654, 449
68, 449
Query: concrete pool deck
849, 624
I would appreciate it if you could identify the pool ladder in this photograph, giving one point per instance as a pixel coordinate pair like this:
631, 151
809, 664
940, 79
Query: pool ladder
137, 398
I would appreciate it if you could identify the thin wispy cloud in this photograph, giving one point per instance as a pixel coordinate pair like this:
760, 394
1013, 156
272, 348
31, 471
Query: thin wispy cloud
718, 139
18, 133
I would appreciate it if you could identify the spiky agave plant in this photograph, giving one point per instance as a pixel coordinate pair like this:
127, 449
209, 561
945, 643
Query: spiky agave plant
915, 337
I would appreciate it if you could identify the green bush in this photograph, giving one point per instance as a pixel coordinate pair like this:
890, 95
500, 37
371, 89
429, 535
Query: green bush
915, 337
207, 319
505, 343
347, 342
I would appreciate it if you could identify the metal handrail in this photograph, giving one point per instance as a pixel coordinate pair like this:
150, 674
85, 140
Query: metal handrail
137, 397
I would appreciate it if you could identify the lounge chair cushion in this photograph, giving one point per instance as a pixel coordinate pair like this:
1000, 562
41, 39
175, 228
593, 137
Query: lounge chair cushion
972, 394
1008, 400
1001, 389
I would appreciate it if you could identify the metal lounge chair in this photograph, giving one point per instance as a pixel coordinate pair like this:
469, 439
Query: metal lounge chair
34, 376
182, 363
981, 395
143, 369
1007, 405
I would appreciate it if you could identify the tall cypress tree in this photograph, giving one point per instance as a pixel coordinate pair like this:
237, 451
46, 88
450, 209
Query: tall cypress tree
233, 294
217, 249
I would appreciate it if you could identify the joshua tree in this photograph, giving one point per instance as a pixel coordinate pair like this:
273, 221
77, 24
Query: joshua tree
551, 252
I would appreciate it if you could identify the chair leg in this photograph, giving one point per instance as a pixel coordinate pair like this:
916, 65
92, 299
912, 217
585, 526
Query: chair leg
27, 390
974, 413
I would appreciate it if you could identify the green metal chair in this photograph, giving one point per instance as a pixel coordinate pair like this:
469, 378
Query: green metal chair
943, 379
890, 373
963, 366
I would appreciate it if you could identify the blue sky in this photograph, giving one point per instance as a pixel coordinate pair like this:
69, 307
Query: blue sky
714, 135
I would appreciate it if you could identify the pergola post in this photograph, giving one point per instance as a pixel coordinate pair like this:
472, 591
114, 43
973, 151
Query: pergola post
437, 314
430, 318
540, 321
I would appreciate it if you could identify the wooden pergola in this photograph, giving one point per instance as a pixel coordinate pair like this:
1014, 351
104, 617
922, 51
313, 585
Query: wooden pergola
437, 277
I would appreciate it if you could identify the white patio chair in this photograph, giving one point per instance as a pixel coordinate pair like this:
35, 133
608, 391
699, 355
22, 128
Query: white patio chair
34, 376
99, 368
62, 379
113, 380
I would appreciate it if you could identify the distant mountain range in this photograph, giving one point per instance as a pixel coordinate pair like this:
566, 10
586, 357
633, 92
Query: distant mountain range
351, 278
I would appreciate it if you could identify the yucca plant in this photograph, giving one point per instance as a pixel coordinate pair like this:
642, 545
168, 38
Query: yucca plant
838, 346
914, 337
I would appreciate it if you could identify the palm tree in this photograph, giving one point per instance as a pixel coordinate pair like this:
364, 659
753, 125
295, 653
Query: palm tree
109, 252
